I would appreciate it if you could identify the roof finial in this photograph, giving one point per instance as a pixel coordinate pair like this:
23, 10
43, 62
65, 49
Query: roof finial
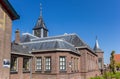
96, 47
40, 9
97, 44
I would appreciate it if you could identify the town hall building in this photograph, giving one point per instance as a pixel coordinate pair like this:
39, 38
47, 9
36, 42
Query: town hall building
39, 56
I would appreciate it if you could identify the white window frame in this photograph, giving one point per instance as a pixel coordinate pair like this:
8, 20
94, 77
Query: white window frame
47, 63
40, 64
62, 63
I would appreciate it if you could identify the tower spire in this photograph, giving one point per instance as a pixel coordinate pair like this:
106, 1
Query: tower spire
97, 44
97, 47
40, 30
40, 9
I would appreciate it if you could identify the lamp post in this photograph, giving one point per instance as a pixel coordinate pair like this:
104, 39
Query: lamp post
31, 68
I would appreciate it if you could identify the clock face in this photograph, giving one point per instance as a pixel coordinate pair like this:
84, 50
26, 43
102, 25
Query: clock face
37, 33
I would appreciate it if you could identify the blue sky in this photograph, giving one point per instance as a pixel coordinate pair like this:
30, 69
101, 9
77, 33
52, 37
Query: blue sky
87, 18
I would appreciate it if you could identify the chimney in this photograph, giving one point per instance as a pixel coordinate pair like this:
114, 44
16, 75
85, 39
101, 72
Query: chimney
17, 36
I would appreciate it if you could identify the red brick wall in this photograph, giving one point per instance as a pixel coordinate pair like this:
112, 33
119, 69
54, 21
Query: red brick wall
100, 55
5, 42
20, 74
55, 73
87, 67
89, 64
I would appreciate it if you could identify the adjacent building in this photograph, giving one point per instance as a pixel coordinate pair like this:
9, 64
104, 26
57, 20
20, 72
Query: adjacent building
39, 56
117, 61
7, 15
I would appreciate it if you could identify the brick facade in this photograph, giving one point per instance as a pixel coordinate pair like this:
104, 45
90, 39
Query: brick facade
7, 14
82, 65
5, 42
87, 66
19, 74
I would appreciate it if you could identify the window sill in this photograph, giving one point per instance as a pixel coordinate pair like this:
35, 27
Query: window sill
38, 71
48, 71
27, 71
75, 71
63, 71
13, 72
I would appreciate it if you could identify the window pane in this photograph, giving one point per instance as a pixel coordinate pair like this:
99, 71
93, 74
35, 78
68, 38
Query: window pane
26, 64
63, 59
13, 64
62, 63
60, 67
48, 63
39, 63
60, 59
63, 67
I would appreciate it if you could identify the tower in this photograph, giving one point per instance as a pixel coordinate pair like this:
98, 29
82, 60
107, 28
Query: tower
7, 15
40, 30
100, 53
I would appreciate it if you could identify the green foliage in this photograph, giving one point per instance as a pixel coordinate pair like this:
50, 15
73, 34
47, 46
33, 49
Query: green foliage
117, 64
108, 75
97, 77
112, 62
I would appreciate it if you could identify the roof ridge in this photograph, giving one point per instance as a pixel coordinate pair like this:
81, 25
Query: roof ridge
29, 34
47, 41
54, 36
42, 41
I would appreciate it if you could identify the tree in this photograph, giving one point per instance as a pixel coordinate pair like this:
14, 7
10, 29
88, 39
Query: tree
112, 62
117, 65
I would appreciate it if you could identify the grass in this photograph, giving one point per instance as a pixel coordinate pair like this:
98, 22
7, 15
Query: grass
108, 75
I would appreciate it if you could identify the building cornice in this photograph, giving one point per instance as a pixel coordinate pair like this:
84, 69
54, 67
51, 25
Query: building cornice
21, 54
9, 9
85, 47
56, 50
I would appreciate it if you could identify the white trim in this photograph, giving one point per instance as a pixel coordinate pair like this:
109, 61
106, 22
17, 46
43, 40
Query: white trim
41, 41
55, 36
42, 34
68, 50
33, 32
36, 62
21, 54
30, 35
47, 41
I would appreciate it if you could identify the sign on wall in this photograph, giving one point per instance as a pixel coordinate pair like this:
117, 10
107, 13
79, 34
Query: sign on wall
6, 63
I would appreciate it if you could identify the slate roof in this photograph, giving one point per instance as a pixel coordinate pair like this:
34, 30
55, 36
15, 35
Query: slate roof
49, 45
26, 37
66, 42
70, 38
19, 48
40, 24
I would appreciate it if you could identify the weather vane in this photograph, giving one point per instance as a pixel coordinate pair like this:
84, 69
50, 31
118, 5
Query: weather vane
40, 9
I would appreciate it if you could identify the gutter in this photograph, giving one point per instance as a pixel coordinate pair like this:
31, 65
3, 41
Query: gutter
9, 9
22, 54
